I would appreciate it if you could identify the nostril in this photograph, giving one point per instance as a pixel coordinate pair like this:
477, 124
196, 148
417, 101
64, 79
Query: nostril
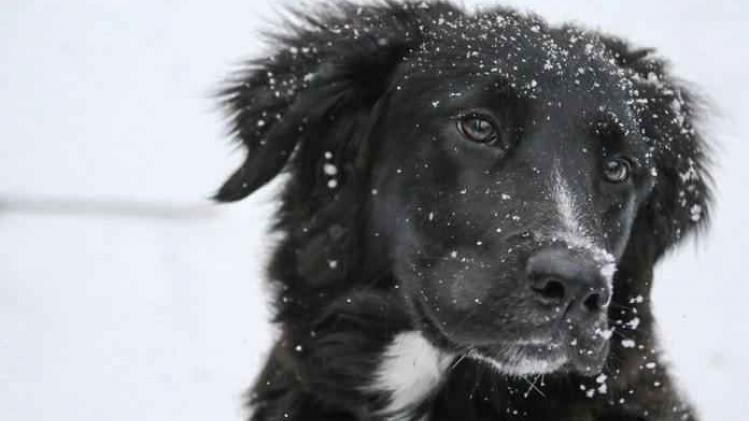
550, 289
595, 301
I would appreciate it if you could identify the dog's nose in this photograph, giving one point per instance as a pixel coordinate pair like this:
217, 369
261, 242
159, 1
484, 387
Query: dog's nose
569, 279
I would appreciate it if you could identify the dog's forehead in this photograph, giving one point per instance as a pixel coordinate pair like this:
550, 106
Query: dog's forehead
565, 73
534, 59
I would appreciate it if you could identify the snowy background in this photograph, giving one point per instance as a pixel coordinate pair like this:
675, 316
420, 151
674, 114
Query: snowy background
124, 295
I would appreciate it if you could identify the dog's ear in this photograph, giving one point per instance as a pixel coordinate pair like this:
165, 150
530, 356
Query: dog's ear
327, 75
669, 119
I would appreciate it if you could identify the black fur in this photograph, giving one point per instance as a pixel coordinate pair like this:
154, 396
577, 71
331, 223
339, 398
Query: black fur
356, 87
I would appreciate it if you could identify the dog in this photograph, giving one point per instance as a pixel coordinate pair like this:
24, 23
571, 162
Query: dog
474, 207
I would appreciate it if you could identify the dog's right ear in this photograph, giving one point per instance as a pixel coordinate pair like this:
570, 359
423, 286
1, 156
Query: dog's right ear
328, 73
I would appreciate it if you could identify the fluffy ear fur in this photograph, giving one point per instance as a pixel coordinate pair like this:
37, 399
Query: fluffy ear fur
278, 107
315, 124
669, 115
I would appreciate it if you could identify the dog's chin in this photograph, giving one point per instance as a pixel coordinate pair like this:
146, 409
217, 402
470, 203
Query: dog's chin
522, 359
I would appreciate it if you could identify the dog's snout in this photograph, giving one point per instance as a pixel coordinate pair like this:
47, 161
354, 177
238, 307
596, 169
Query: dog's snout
569, 279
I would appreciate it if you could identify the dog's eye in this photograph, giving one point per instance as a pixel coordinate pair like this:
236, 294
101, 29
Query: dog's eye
478, 129
617, 170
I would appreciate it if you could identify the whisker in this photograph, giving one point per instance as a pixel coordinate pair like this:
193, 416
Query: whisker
460, 359
622, 306
620, 334
532, 386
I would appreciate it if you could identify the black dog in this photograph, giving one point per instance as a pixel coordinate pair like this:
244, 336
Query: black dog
475, 207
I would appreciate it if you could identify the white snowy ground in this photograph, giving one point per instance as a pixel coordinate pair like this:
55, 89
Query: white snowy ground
146, 313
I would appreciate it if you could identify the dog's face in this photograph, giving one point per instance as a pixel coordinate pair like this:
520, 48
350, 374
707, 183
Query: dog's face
506, 226
508, 200
504, 171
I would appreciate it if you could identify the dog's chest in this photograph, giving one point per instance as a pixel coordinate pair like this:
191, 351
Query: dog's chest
410, 370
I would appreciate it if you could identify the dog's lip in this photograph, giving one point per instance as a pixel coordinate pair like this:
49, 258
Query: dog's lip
514, 359
552, 333
442, 337
550, 349
549, 344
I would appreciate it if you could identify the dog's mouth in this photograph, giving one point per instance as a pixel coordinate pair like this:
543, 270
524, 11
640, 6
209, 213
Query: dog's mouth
563, 350
520, 358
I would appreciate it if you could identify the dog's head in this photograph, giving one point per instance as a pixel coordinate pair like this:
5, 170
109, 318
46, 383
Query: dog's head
511, 177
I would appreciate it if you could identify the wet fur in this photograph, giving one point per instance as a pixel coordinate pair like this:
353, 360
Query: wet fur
316, 100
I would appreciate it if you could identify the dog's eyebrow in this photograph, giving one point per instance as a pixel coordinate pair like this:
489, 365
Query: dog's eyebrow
609, 128
509, 89
495, 91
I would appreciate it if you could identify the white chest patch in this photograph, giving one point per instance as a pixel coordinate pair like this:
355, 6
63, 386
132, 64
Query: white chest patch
411, 368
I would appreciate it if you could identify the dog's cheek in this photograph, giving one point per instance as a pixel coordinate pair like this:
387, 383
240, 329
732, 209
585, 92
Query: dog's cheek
618, 220
461, 283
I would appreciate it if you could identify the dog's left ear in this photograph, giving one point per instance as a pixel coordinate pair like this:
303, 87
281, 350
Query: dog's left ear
314, 95
669, 117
